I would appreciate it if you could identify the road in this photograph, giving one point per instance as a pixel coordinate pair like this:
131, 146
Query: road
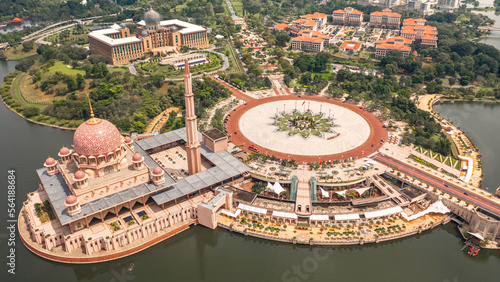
439, 183
44, 32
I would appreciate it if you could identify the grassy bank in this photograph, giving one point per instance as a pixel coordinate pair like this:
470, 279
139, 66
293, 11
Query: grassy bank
16, 53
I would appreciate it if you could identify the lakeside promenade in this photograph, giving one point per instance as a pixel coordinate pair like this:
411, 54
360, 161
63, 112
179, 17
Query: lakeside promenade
460, 140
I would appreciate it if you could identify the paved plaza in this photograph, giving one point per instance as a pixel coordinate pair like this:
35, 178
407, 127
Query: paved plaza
256, 124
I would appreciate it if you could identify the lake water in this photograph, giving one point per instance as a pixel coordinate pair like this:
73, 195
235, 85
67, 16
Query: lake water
17, 27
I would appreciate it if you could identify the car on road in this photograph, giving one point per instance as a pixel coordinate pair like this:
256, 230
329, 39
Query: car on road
465, 193
446, 185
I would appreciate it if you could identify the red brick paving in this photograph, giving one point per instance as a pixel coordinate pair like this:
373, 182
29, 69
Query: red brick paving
377, 131
236, 93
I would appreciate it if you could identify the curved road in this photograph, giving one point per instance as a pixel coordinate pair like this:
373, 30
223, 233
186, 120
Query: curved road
377, 131
439, 183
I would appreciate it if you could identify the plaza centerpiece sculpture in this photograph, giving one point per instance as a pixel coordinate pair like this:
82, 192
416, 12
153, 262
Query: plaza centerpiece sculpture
305, 124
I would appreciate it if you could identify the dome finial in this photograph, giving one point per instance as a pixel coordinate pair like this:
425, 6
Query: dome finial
92, 119
90, 105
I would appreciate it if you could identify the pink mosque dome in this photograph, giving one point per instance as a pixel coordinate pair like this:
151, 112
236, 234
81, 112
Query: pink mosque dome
128, 140
157, 171
136, 157
50, 161
71, 199
96, 137
64, 151
80, 175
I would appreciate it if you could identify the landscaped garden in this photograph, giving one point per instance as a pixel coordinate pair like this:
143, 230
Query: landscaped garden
153, 67
44, 211
305, 124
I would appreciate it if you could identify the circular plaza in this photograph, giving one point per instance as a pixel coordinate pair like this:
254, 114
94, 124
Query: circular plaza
306, 129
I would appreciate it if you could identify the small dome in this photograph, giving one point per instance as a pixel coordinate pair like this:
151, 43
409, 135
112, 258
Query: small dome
144, 33
128, 140
80, 175
64, 151
71, 200
152, 16
50, 161
123, 25
174, 28
157, 171
136, 157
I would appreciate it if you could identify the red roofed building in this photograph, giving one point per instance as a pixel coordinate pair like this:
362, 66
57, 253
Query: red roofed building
382, 49
347, 16
428, 39
307, 43
320, 18
281, 27
16, 21
396, 40
385, 19
314, 33
416, 29
350, 46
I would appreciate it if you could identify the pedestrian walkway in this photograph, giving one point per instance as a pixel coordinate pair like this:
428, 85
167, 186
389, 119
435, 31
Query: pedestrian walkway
389, 190
158, 122
303, 202
235, 92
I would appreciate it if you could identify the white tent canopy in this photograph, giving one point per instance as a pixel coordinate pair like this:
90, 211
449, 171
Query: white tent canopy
324, 194
285, 214
436, 207
277, 188
384, 212
228, 213
477, 235
323, 217
269, 187
362, 190
252, 209
341, 193
349, 216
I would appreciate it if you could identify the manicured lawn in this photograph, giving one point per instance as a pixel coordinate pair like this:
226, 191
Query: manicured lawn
121, 69
60, 66
17, 53
238, 7
17, 94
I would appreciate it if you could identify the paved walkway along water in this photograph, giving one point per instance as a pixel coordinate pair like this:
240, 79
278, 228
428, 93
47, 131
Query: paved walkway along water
303, 203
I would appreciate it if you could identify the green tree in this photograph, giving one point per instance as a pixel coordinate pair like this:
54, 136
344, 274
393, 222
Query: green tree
258, 187
31, 111
282, 39
80, 81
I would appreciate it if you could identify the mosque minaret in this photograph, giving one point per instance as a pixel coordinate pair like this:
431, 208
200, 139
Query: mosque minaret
192, 145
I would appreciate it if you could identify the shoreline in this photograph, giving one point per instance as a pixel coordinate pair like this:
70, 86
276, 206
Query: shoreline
477, 158
31, 120
333, 242
39, 250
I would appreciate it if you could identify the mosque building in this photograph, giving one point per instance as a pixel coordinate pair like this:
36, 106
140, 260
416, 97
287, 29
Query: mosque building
154, 36
109, 193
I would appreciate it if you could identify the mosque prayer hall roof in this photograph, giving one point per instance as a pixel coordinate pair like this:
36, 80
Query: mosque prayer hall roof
225, 167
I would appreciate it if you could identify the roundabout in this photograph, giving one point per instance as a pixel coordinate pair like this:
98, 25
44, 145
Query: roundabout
306, 129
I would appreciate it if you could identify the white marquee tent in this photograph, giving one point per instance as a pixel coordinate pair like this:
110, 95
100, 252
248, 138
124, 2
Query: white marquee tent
436, 207
252, 209
324, 194
285, 214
